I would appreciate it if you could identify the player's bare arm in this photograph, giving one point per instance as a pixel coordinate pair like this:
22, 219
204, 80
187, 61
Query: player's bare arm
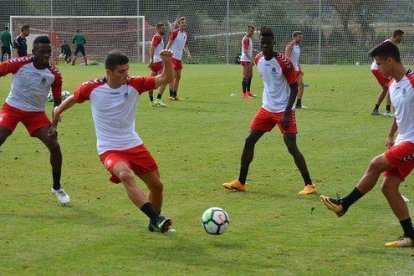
288, 50
58, 110
390, 138
167, 74
292, 98
187, 51
151, 56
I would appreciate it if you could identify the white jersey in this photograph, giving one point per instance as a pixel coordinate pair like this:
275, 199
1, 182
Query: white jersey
374, 65
113, 111
295, 54
30, 86
277, 74
180, 40
158, 44
402, 98
246, 47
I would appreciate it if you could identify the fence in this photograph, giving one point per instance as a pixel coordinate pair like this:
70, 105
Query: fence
335, 31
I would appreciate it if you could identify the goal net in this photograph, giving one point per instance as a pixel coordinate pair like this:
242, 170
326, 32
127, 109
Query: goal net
102, 33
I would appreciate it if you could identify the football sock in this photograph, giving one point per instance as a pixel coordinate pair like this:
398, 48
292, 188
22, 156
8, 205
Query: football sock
56, 180
150, 212
376, 107
249, 82
299, 102
243, 175
175, 93
159, 96
388, 108
171, 93
351, 198
244, 85
407, 226
307, 179
151, 97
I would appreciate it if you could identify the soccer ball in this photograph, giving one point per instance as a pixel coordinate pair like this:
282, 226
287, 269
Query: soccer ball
65, 94
215, 220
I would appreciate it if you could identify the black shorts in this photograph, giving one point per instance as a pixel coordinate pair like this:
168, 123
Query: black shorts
81, 49
5, 50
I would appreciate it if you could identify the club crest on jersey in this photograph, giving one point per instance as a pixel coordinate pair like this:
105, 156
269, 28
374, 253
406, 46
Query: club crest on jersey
125, 95
404, 93
43, 80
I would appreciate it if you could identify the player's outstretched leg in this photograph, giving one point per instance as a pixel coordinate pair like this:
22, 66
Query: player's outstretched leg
290, 141
246, 158
55, 161
4, 133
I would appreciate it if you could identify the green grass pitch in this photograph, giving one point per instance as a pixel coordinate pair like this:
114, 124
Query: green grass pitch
197, 144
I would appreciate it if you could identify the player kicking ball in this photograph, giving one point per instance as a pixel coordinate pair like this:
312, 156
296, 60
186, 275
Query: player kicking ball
33, 78
398, 161
279, 94
114, 101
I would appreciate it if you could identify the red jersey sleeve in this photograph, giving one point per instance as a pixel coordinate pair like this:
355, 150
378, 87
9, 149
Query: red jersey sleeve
13, 65
410, 76
287, 68
246, 43
173, 35
142, 84
57, 83
257, 58
156, 39
83, 93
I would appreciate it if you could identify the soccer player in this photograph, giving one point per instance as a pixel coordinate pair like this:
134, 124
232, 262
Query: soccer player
114, 101
292, 51
279, 93
155, 64
6, 42
396, 38
397, 162
247, 61
19, 44
80, 42
66, 51
177, 42
33, 77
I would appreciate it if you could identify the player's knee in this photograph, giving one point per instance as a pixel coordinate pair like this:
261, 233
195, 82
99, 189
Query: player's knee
126, 177
157, 187
54, 147
388, 188
250, 141
375, 166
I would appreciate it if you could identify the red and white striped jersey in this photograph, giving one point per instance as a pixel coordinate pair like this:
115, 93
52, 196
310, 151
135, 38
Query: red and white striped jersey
246, 47
114, 111
180, 40
158, 44
277, 75
30, 86
402, 98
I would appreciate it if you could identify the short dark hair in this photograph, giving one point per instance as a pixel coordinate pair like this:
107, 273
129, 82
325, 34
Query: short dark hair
6, 28
78, 31
385, 50
160, 24
115, 58
267, 32
296, 33
44, 39
25, 28
397, 33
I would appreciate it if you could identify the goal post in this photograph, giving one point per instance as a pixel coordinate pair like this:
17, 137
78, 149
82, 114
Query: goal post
102, 33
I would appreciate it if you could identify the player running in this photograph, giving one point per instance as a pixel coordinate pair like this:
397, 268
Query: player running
247, 61
177, 42
114, 101
33, 77
155, 64
279, 93
292, 51
383, 81
398, 161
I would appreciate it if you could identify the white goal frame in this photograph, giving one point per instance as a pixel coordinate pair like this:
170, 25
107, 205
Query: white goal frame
137, 17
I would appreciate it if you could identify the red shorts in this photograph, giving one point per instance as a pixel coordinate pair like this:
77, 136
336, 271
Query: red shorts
11, 116
401, 157
177, 64
266, 121
245, 63
157, 66
139, 160
380, 77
